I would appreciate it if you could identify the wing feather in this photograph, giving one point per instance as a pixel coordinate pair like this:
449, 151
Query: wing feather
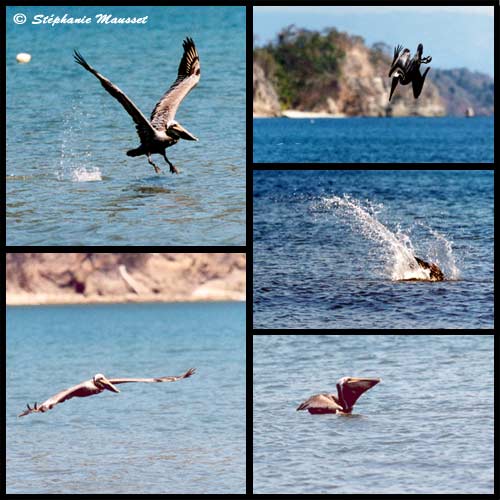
190, 372
188, 75
144, 128
320, 401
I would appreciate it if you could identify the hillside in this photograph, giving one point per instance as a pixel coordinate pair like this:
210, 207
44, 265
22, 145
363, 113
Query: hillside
336, 73
59, 278
461, 89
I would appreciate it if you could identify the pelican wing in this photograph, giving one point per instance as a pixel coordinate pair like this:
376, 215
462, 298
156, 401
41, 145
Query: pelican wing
397, 51
188, 76
190, 372
60, 397
399, 62
320, 401
144, 128
353, 389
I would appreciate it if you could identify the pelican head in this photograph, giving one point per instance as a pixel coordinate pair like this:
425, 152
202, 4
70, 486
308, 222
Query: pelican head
102, 382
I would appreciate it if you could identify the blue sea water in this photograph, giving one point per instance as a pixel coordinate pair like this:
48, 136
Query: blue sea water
332, 249
69, 180
427, 427
182, 437
377, 140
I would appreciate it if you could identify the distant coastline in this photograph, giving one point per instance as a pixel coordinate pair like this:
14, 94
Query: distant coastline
296, 114
332, 74
50, 279
203, 295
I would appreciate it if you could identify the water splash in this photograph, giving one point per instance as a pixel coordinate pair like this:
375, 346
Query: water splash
84, 174
443, 254
399, 253
75, 164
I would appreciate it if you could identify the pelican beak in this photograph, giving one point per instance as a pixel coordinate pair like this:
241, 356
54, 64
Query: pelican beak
109, 386
178, 130
363, 382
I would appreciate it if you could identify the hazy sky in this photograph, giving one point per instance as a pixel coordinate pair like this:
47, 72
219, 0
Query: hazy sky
454, 36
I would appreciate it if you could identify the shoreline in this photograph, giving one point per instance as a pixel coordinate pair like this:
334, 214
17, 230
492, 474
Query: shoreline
295, 114
292, 113
40, 299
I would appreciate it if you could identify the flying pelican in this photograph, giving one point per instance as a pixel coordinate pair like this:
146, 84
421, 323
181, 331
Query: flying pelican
95, 385
162, 130
349, 389
405, 70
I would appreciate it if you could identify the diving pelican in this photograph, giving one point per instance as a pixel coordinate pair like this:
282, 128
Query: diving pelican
435, 274
162, 130
95, 385
349, 389
405, 70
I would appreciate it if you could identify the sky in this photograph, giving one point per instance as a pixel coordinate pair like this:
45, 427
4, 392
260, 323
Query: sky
455, 37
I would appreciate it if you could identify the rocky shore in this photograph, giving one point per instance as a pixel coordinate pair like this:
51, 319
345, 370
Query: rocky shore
70, 278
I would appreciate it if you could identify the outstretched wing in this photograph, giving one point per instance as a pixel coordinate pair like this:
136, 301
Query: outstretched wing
188, 76
144, 128
60, 397
190, 372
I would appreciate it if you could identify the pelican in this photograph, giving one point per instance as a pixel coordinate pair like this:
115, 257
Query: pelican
435, 274
162, 130
405, 70
95, 385
349, 389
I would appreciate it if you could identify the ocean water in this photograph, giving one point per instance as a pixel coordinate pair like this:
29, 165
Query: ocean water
182, 437
361, 140
69, 180
334, 249
427, 427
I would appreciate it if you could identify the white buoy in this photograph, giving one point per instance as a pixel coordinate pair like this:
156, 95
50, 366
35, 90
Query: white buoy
22, 57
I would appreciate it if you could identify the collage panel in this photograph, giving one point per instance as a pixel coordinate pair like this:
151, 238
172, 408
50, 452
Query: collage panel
373, 249
373, 414
126, 373
373, 84
126, 125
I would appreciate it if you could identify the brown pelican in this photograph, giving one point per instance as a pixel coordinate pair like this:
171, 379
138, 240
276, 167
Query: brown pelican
161, 131
349, 389
435, 274
95, 385
405, 70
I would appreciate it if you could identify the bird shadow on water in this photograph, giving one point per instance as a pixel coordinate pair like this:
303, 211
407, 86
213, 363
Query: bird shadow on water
151, 190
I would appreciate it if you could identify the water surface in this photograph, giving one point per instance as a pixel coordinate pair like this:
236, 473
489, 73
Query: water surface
361, 140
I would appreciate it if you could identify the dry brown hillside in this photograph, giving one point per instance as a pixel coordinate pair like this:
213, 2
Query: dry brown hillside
38, 278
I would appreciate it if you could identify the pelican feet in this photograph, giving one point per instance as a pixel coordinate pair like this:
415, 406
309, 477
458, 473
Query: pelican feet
173, 170
155, 166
